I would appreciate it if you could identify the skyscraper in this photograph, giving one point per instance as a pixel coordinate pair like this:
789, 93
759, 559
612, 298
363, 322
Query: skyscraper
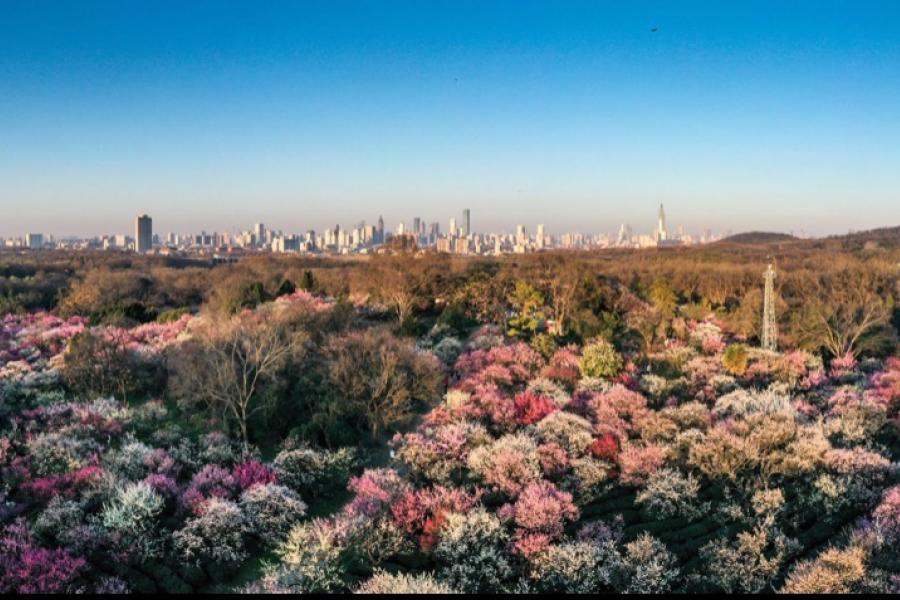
34, 241
379, 235
453, 230
467, 223
259, 231
143, 234
661, 234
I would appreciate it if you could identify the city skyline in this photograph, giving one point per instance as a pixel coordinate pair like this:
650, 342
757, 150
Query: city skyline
460, 237
745, 115
426, 231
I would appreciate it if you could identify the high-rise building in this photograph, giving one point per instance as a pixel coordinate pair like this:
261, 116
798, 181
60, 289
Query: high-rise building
379, 238
539, 237
521, 236
467, 222
453, 230
661, 234
259, 232
625, 234
34, 241
143, 234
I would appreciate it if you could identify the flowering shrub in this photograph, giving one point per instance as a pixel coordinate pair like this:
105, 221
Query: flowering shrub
670, 493
29, 569
508, 464
471, 553
253, 473
521, 458
217, 536
542, 509
387, 583
648, 567
311, 472
271, 510
735, 469
132, 515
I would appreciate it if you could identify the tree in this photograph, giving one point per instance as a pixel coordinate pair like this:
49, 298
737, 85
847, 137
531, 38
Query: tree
228, 367
378, 381
646, 322
103, 365
484, 291
736, 358
528, 305
848, 317
663, 297
564, 283
249, 295
400, 281
600, 359
308, 281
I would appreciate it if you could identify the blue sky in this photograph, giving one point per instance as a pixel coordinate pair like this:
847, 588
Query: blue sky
737, 115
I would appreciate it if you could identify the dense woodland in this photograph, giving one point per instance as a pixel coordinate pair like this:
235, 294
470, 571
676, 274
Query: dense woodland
553, 422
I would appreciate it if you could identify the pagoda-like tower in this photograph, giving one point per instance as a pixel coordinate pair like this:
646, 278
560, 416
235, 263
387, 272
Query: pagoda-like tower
769, 324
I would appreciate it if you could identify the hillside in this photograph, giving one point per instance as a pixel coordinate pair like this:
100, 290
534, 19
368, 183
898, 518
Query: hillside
760, 237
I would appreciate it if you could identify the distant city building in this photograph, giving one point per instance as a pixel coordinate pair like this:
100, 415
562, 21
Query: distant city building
34, 241
365, 239
259, 232
521, 237
661, 234
143, 234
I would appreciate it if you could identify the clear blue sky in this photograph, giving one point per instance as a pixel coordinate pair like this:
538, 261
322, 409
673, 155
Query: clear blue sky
780, 115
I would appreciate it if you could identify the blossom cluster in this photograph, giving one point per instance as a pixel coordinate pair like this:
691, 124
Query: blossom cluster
561, 474
93, 492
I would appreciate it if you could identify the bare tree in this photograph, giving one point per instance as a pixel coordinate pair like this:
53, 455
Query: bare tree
384, 380
563, 279
400, 282
228, 366
847, 315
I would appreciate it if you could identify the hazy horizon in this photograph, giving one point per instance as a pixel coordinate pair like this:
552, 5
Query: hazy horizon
215, 115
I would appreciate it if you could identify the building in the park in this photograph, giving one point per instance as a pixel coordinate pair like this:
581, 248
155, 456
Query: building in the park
143, 234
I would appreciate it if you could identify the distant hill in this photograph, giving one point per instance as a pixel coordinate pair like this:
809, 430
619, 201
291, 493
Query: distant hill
760, 237
886, 236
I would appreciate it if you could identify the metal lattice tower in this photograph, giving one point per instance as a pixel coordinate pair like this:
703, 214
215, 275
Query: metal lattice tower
769, 324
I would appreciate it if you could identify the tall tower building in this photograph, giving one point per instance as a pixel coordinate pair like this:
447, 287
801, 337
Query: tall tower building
259, 231
143, 234
769, 324
453, 230
467, 222
379, 237
521, 236
34, 241
661, 234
